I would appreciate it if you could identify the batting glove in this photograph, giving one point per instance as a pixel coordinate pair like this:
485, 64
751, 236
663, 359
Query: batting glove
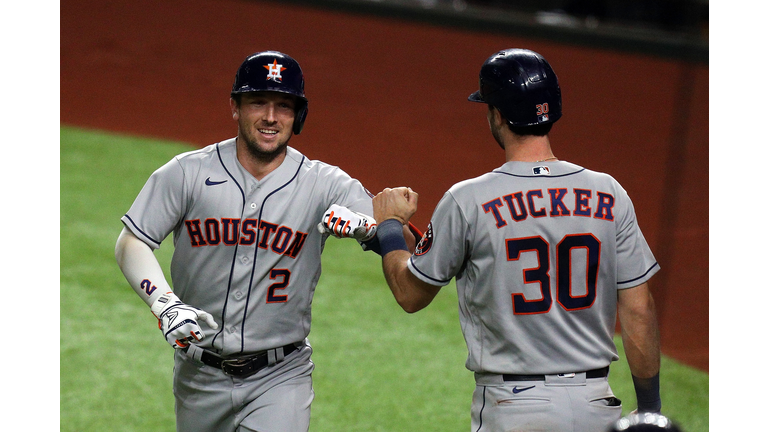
345, 223
178, 321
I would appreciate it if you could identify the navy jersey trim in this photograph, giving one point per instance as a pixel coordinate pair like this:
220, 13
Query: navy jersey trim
428, 276
538, 176
141, 231
256, 251
234, 253
639, 277
223, 165
481, 411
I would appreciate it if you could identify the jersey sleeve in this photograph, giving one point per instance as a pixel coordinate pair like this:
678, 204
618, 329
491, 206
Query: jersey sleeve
441, 253
635, 261
349, 192
158, 208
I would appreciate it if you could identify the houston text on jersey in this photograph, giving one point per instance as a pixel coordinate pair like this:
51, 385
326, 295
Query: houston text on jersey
229, 232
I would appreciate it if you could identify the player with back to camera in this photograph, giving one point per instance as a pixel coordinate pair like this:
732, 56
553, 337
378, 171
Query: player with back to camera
249, 216
544, 252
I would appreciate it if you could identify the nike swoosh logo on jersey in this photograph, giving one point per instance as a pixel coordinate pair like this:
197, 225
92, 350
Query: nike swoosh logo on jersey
208, 182
517, 390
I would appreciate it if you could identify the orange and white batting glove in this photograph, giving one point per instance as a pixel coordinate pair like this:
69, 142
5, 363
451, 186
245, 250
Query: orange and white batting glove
345, 223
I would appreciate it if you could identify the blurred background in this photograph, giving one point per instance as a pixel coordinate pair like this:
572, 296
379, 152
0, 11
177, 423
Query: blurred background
675, 18
679, 28
387, 83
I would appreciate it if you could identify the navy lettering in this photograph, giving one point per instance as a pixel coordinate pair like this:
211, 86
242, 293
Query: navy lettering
558, 206
232, 231
539, 275
267, 230
212, 231
295, 247
147, 287
249, 232
282, 237
604, 206
523, 213
533, 203
231, 228
286, 279
493, 207
532, 207
565, 295
582, 202
195, 233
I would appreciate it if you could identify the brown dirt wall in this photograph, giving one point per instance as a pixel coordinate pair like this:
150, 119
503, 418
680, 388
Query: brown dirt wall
388, 105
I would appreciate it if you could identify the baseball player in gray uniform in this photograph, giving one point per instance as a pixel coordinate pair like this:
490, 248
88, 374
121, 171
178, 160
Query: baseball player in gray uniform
244, 214
544, 253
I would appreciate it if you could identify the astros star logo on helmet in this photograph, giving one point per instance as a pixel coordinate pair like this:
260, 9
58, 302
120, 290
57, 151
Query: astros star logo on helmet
274, 71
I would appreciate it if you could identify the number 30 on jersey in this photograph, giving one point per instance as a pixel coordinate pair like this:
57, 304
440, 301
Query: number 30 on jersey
540, 274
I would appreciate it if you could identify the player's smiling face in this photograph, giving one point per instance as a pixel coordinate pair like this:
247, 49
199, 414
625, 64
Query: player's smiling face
265, 122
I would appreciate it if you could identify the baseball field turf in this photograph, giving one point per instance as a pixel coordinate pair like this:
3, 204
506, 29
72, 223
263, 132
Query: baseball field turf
377, 368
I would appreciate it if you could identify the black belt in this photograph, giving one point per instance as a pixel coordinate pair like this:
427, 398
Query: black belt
594, 373
241, 366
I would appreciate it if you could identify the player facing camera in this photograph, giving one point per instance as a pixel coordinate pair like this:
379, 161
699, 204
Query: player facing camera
244, 214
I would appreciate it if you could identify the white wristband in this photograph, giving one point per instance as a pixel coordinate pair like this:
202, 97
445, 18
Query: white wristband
163, 301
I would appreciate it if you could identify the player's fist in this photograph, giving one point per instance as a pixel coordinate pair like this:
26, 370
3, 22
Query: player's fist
345, 223
395, 203
179, 322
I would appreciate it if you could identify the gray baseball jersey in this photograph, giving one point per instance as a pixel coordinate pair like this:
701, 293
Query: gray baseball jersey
246, 251
538, 252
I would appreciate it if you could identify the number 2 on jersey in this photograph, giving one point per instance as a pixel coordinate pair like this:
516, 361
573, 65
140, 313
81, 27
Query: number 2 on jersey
285, 274
540, 274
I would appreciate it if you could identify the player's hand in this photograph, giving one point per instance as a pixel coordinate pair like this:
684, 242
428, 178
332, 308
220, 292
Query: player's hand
398, 203
179, 321
345, 223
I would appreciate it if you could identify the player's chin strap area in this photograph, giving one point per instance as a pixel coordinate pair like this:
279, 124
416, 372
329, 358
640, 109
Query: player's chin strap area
241, 367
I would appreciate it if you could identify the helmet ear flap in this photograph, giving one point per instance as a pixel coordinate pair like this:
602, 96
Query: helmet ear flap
298, 122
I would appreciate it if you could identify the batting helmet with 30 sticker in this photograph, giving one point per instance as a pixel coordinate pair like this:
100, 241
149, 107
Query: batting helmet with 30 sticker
522, 85
276, 72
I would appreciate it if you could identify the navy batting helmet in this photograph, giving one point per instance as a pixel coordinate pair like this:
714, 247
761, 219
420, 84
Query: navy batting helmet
522, 85
275, 72
644, 422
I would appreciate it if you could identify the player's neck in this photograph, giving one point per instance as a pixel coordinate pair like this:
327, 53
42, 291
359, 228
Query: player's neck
259, 166
528, 149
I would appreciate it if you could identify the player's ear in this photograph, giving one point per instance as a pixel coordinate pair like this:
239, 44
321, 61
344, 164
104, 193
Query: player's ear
494, 115
233, 106
498, 117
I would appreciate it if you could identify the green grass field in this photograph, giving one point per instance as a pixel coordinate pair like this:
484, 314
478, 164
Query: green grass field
377, 368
